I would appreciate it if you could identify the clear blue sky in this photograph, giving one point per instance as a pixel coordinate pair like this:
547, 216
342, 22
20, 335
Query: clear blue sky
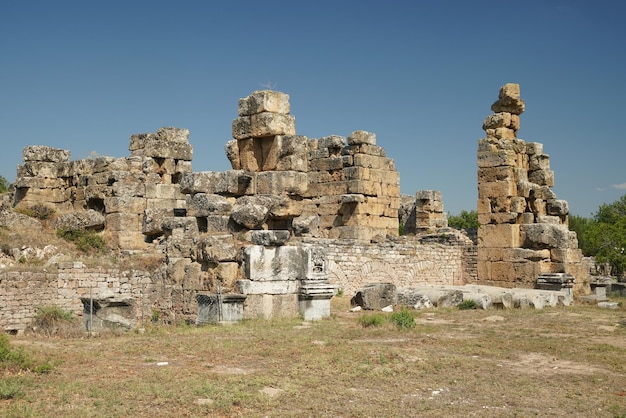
422, 75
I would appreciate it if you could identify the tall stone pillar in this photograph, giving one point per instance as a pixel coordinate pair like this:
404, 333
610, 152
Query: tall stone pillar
523, 229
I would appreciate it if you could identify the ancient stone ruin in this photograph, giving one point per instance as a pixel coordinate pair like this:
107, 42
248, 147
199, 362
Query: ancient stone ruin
293, 221
523, 232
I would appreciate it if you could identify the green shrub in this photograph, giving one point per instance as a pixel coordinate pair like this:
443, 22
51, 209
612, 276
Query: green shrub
85, 241
467, 304
15, 359
371, 320
10, 388
403, 319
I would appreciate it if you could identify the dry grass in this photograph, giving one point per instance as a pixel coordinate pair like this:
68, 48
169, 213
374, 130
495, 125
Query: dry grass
555, 362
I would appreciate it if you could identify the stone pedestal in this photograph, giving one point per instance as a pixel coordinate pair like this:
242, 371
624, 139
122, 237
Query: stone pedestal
556, 281
315, 290
214, 308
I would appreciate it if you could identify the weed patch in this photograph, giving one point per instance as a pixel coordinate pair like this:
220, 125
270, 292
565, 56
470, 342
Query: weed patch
85, 241
402, 319
372, 320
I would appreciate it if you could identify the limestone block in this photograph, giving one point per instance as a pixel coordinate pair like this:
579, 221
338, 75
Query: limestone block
364, 149
124, 222
504, 218
372, 161
165, 204
497, 120
163, 191
282, 182
186, 224
544, 235
183, 166
172, 134
216, 223
331, 142
546, 219
272, 238
557, 207
204, 204
252, 211
228, 273
42, 195
264, 124
495, 189
39, 183
292, 163
286, 207
515, 122
327, 164
375, 296
566, 255
542, 177
364, 233
366, 187
268, 306
361, 137
38, 169
282, 263
125, 204
314, 154
127, 240
168, 149
264, 101
539, 162
152, 221
518, 204
499, 236
504, 133
329, 189
509, 100
496, 158
232, 153
44, 153
129, 186
83, 220
305, 225
219, 248
356, 173
385, 176
534, 148
231, 182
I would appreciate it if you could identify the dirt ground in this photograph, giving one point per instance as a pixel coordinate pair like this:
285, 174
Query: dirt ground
565, 361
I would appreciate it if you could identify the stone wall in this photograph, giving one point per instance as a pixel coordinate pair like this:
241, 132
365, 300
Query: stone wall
404, 261
523, 226
23, 292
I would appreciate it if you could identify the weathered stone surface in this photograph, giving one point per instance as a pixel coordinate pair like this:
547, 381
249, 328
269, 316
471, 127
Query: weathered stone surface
230, 183
217, 248
361, 137
545, 235
204, 204
509, 100
253, 211
375, 296
273, 238
172, 134
89, 219
263, 125
45, 154
264, 101
274, 263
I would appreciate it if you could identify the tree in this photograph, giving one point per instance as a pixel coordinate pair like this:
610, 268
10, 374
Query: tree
464, 220
604, 236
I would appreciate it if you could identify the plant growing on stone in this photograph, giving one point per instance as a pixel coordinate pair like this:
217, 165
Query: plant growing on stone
85, 241
37, 211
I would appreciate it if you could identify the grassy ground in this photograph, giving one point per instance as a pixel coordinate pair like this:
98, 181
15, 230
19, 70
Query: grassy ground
554, 362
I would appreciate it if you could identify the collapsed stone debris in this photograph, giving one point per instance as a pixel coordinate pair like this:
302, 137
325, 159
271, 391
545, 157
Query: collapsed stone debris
294, 220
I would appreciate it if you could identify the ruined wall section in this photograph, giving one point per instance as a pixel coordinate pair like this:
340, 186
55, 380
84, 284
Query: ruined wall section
354, 188
23, 292
404, 261
122, 190
523, 226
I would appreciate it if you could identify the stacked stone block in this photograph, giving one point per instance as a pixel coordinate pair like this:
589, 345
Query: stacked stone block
354, 189
429, 214
523, 226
